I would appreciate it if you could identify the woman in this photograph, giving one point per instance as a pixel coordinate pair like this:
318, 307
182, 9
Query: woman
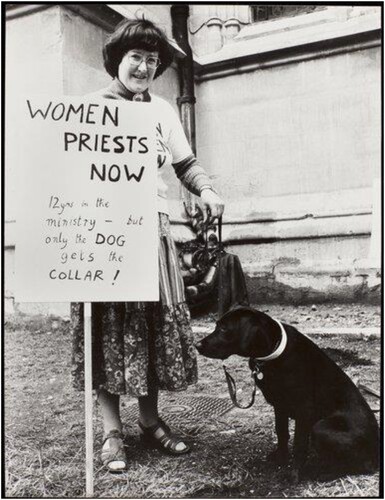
139, 348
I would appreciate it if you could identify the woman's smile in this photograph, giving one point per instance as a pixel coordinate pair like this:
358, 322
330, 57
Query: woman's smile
140, 78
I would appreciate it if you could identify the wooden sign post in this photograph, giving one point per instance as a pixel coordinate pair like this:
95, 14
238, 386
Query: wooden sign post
87, 223
88, 400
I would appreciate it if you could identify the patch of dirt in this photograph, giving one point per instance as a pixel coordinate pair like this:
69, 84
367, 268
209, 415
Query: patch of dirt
44, 424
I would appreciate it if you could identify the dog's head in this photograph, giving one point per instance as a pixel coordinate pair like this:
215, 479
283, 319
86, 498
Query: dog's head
243, 331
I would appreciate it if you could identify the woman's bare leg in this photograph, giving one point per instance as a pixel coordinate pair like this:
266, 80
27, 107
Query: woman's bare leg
148, 408
109, 408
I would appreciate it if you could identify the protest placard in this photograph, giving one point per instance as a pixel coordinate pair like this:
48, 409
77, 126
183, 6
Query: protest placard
87, 218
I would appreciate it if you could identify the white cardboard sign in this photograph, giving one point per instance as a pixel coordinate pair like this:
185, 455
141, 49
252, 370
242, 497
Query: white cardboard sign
87, 218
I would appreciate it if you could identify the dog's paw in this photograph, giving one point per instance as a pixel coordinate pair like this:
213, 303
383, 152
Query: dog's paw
279, 457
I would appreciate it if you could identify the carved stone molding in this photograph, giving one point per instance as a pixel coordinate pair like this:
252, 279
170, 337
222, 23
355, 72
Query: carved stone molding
213, 26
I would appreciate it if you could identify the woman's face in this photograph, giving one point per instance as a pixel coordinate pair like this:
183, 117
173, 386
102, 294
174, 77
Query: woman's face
137, 69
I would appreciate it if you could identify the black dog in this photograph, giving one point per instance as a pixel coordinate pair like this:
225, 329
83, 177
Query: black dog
302, 383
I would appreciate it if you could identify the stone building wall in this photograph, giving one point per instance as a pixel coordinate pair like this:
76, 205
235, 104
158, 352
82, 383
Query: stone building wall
289, 127
288, 118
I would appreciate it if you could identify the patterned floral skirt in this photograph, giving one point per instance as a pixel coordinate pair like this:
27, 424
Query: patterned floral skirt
137, 344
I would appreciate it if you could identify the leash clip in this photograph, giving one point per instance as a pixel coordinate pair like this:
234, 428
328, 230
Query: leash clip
257, 373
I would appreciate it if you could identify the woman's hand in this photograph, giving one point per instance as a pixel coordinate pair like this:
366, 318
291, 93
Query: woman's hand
212, 205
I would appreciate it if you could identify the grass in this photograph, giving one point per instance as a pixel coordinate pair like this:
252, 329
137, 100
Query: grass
44, 429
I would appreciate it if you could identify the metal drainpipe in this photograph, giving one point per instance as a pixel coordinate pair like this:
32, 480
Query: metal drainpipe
186, 101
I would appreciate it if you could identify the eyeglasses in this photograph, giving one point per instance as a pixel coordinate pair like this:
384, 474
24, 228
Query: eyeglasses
137, 59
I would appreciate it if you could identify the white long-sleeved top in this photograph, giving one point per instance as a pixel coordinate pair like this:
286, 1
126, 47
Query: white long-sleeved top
173, 149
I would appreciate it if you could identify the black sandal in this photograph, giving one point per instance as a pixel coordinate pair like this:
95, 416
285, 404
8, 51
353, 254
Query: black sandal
114, 461
166, 443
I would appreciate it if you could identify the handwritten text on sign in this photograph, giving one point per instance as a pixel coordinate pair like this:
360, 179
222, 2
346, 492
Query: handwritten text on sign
87, 224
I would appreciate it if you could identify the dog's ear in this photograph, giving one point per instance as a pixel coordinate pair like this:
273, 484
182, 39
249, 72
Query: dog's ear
238, 305
237, 308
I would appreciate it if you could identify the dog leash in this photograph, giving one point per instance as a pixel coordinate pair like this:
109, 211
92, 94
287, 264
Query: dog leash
220, 246
219, 259
256, 374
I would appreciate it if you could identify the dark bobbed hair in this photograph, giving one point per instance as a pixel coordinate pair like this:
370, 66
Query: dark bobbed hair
136, 34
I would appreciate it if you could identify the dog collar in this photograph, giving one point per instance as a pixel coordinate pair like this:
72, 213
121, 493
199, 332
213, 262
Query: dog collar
282, 345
